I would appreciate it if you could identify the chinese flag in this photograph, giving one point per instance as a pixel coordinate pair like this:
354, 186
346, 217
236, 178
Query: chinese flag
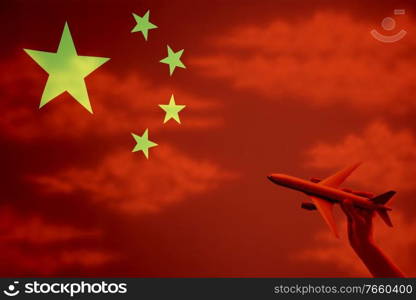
136, 136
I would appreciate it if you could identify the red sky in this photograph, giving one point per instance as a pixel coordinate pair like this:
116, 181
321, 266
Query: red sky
298, 87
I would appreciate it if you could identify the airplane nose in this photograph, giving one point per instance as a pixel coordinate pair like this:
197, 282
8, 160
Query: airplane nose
271, 178
277, 178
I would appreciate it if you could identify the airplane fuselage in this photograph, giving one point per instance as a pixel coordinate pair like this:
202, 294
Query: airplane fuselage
322, 191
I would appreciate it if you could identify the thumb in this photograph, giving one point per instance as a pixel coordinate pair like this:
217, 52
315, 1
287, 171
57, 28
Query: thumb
351, 211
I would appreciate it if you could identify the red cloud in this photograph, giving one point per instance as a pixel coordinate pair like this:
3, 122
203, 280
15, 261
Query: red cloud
399, 243
30, 245
35, 231
389, 157
329, 58
129, 182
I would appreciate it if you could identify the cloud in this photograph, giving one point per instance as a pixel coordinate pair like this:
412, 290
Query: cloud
398, 243
329, 58
35, 231
120, 104
31, 245
132, 184
389, 157
389, 162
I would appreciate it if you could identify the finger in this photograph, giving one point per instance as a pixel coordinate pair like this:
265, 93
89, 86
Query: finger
350, 226
351, 210
368, 215
347, 208
364, 212
346, 190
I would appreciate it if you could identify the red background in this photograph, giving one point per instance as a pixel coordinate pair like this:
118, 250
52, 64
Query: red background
298, 87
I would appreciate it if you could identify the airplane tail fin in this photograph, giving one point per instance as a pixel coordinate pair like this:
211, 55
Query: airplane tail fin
383, 198
385, 216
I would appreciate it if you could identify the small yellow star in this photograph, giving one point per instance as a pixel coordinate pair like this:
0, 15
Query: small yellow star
173, 60
172, 110
143, 143
143, 25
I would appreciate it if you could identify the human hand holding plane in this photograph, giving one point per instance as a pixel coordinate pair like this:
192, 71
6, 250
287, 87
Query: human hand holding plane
360, 209
360, 236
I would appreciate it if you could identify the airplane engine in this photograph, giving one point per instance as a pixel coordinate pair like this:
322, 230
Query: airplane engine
308, 206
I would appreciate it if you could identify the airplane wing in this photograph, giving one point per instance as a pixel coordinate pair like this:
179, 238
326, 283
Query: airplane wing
325, 209
339, 177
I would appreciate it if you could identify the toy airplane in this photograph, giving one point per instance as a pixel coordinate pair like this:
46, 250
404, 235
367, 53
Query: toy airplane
325, 193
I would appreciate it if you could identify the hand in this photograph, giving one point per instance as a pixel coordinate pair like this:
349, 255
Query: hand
360, 235
360, 226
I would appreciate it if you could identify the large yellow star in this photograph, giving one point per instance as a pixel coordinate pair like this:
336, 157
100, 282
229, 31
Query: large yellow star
66, 70
172, 110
